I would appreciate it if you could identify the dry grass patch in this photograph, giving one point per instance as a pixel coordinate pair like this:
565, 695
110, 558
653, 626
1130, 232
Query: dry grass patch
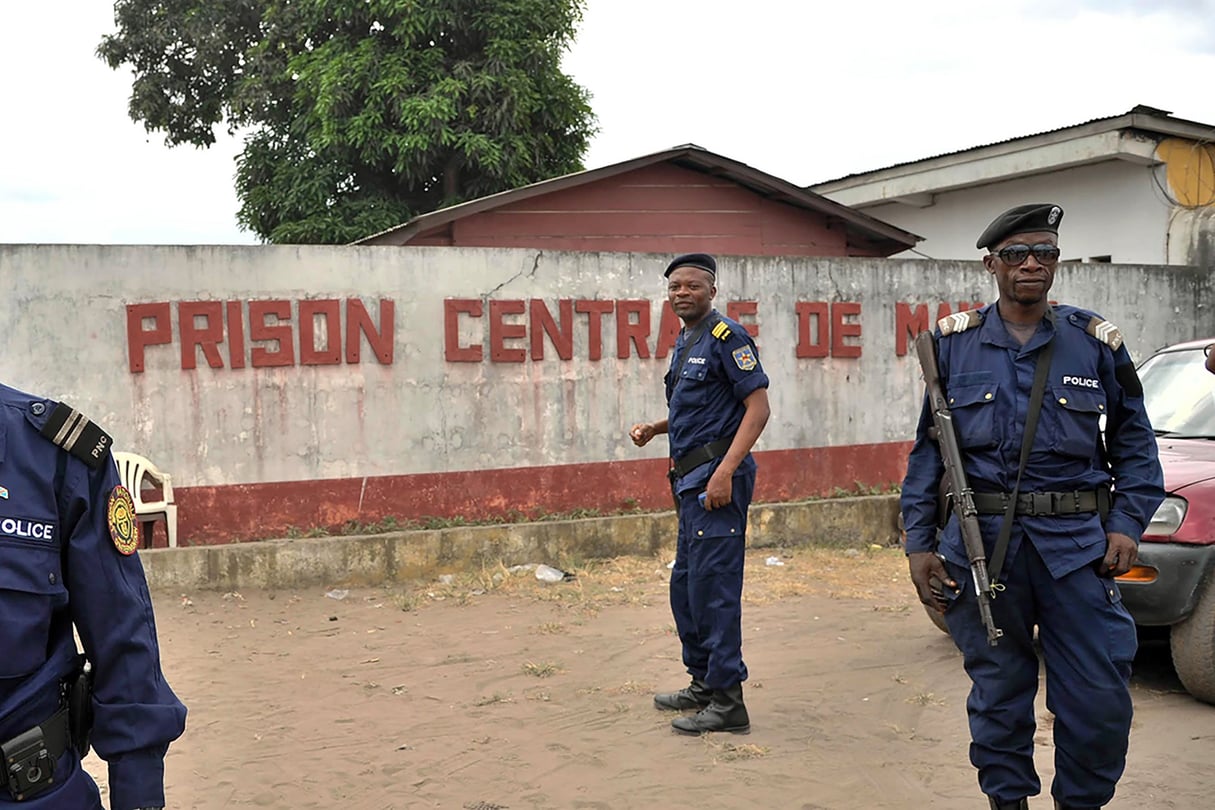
729, 752
878, 574
543, 670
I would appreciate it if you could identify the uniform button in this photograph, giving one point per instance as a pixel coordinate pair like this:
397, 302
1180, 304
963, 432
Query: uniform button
987, 396
37, 408
700, 534
1101, 407
731, 531
1111, 593
52, 579
1062, 400
952, 400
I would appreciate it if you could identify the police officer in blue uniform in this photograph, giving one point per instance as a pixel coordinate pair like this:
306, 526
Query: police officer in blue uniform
1083, 502
68, 538
717, 401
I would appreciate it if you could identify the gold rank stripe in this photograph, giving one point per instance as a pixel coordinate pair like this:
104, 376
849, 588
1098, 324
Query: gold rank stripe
721, 331
1105, 332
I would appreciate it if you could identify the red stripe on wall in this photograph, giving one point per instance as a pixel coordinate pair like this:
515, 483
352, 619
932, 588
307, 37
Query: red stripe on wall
236, 512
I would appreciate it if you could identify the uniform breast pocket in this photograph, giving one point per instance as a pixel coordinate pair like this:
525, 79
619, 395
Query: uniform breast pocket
974, 413
692, 380
31, 589
1072, 418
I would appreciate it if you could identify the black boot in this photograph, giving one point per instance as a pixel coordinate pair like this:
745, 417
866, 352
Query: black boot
1020, 804
1060, 806
695, 695
725, 712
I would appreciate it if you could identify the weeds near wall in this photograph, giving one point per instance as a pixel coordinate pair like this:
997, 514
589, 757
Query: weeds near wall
629, 506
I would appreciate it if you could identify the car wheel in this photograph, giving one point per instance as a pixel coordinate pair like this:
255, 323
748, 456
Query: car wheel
1193, 646
938, 619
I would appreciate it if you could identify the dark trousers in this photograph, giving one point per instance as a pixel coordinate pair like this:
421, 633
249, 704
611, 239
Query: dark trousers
706, 585
1088, 642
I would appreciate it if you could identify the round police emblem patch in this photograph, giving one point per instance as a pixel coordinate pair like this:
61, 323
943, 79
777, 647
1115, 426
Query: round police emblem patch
120, 515
1053, 216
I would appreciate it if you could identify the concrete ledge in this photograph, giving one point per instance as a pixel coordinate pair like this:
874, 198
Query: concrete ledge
404, 556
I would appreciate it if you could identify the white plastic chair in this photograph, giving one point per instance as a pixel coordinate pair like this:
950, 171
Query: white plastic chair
133, 469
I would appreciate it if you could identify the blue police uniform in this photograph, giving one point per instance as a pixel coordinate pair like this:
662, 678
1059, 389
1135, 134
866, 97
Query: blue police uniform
705, 406
1049, 577
62, 522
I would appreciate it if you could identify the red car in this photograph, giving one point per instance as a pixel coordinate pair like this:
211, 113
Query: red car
1173, 585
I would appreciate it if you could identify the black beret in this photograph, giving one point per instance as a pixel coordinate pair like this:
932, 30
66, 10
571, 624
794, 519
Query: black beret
702, 260
1022, 219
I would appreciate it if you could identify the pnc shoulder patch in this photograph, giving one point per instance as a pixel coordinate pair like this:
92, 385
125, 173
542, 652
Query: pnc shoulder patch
1105, 332
959, 321
69, 429
120, 515
744, 358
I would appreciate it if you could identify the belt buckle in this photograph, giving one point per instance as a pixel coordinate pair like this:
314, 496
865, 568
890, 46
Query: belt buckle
28, 765
1041, 503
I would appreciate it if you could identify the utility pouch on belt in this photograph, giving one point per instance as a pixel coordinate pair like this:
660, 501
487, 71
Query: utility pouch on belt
80, 707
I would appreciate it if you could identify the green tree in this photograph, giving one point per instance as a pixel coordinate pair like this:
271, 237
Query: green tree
359, 114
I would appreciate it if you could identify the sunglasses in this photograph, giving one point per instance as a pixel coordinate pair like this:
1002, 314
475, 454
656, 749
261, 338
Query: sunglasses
1016, 255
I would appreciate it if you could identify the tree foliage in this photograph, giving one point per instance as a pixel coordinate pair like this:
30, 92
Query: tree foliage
359, 114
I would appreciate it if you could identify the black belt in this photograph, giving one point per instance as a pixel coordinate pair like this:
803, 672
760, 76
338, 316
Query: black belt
1044, 503
29, 758
701, 455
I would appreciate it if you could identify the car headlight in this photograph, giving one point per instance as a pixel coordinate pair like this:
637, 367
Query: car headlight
1168, 517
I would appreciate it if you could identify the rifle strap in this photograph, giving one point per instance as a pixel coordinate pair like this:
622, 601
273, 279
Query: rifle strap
1041, 370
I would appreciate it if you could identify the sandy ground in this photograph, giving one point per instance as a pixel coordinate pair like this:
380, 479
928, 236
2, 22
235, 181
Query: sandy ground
499, 691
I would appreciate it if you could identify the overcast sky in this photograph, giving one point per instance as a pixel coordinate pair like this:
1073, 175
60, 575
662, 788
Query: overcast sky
808, 91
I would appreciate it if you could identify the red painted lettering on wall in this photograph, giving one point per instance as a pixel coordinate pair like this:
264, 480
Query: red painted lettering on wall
513, 324
562, 337
823, 328
909, 322
236, 336
271, 326
139, 338
359, 325
453, 308
260, 329
500, 331
812, 313
328, 309
207, 336
668, 331
594, 311
744, 312
632, 333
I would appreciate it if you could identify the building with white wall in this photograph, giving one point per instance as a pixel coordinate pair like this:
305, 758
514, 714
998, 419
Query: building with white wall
296, 387
1136, 188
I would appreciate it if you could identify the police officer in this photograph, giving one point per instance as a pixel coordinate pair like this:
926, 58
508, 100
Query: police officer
717, 401
1082, 505
68, 538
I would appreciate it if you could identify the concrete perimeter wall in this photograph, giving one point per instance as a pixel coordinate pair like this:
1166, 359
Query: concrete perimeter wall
310, 386
403, 557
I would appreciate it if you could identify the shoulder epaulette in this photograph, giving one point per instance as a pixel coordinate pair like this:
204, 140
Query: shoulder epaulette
959, 321
1105, 332
69, 429
721, 331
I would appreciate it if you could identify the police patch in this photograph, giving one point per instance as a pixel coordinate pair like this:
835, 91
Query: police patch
744, 358
120, 514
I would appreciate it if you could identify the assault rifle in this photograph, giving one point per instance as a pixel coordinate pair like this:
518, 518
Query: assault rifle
962, 495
